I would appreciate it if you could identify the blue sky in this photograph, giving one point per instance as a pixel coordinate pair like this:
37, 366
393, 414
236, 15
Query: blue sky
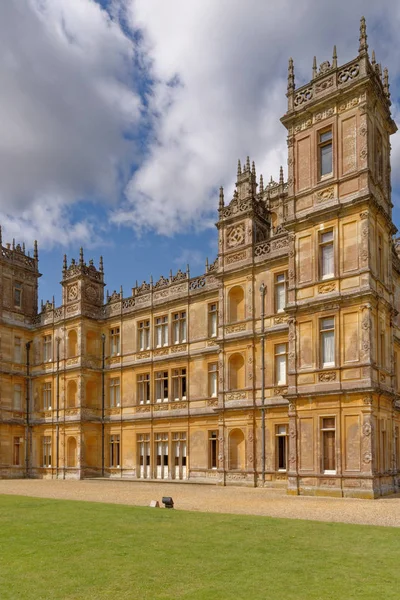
121, 118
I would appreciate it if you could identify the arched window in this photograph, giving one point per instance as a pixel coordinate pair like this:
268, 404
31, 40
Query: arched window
92, 343
236, 375
236, 304
236, 449
91, 394
72, 343
71, 393
71, 452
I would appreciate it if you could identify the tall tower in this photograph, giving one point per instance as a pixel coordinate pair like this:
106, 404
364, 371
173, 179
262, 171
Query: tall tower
83, 287
340, 294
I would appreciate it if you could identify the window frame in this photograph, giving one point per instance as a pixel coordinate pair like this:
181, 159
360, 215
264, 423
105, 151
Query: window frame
114, 391
280, 354
213, 372
47, 348
47, 395
47, 451
115, 341
18, 350
179, 327
322, 332
17, 291
325, 429
179, 383
279, 435
115, 451
143, 329
278, 285
164, 386
143, 384
322, 245
212, 311
17, 406
213, 449
321, 144
161, 331
18, 441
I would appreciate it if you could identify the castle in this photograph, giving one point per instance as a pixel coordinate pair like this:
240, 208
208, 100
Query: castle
278, 367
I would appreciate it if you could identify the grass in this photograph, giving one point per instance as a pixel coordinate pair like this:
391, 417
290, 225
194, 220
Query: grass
52, 549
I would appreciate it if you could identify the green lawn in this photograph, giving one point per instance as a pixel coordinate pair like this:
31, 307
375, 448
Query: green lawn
52, 549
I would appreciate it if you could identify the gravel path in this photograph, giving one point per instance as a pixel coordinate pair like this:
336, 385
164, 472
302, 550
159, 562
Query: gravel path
205, 498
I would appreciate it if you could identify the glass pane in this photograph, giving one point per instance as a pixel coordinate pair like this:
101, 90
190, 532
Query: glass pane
328, 348
326, 159
326, 136
327, 260
280, 296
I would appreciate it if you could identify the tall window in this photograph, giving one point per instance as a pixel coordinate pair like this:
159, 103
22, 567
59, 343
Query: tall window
46, 451
328, 432
212, 449
18, 295
325, 153
213, 380
179, 327
179, 384
143, 388
18, 396
280, 292
17, 451
327, 340
161, 331
115, 392
114, 451
281, 447
46, 392
47, 348
380, 257
115, 341
213, 319
161, 381
144, 335
280, 364
326, 254
17, 350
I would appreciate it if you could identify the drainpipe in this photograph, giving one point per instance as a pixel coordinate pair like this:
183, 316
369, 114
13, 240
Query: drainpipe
58, 340
262, 340
27, 407
103, 361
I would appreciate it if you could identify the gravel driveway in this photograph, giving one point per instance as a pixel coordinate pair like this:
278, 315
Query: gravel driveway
205, 498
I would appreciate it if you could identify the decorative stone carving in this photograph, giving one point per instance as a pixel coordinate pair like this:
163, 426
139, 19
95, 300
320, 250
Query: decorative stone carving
280, 391
367, 429
235, 396
72, 292
348, 73
324, 85
235, 328
280, 320
325, 288
235, 236
212, 403
303, 96
143, 409
142, 355
180, 348
326, 194
327, 376
232, 258
161, 352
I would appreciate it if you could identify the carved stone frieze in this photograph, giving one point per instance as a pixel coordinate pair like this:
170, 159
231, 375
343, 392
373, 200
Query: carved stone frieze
238, 256
235, 235
235, 396
325, 288
303, 96
326, 194
235, 328
327, 376
348, 73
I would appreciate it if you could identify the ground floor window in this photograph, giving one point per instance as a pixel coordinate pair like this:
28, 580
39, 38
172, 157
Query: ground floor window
328, 432
212, 449
114, 451
162, 455
143, 453
179, 454
46, 451
281, 447
17, 452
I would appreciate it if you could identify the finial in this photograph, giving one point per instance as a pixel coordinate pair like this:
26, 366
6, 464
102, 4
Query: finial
65, 263
253, 169
13, 244
221, 198
101, 264
261, 183
54, 302
187, 271
290, 83
239, 169
206, 264
334, 58
23, 247
121, 293
314, 68
386, 82
379, 69
373, 59
35, 250
81, 256
41, 305
1, 237
363, 36
281, 176
248, 164
151, 280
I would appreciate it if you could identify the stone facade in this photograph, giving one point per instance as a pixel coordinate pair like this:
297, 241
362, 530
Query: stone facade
278, 367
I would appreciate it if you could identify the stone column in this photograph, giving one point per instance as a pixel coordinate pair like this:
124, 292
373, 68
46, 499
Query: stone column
293, 484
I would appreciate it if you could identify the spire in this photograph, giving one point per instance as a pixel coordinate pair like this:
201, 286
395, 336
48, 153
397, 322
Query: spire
261, 183
334, 58
373, 59
386, 82
207, 264
314, 68
253, 170
81, 256
35, 250
363, 37
281, 182
221, 198
290, 83
239, 169
101, 265
65, 263
23, 247
248, 164
13, 244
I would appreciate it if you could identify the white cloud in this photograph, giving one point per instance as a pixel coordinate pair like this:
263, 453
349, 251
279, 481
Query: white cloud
66, 102
228, 61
